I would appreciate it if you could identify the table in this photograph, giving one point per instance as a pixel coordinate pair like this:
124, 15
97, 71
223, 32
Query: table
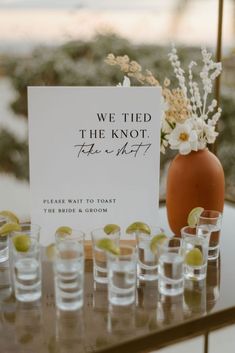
155, 321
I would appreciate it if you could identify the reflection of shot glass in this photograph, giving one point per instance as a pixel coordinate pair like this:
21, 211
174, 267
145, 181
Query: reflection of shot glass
195, 297
147, 296
170, 310
122, 276
100, 256
69, 331
29, 326
212, 221
195, 257
121, 320
147, 266
69, 271
147, 302
26, 267
171, 279
212, 283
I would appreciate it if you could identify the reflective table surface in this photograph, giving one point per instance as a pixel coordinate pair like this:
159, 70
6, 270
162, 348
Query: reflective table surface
153, 322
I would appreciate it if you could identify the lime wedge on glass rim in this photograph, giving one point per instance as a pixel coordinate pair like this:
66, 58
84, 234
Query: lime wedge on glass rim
194, 258
156, 241
108, 245
138, 227
8, 228
194, 216
111, 228
64, 231
22, 242
10, 216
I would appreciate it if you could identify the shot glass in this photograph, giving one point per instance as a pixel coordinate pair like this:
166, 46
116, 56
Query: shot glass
195, 250
100, 271
122, 276
171, 262
195, 231
5, 281
69, 271
26, 264
28, 229
212, 221
147, 265
31, 229
4, 253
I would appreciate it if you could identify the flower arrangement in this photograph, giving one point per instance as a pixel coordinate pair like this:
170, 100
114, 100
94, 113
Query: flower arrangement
189, 120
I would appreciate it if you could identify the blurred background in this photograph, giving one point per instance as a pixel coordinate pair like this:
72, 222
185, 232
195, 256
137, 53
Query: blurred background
64, 42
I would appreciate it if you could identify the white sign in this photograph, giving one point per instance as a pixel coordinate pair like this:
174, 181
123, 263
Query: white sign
94, 156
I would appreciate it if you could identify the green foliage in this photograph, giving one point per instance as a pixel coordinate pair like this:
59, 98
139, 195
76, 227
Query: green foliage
13, 155
82, 64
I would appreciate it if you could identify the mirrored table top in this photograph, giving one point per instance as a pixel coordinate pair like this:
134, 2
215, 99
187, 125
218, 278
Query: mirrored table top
154, 321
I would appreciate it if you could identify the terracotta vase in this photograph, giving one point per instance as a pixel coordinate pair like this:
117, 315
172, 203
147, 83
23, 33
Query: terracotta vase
194, 180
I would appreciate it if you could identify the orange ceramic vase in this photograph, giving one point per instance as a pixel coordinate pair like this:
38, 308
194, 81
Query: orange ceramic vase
194, 180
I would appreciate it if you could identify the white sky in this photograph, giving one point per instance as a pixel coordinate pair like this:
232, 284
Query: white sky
55, 22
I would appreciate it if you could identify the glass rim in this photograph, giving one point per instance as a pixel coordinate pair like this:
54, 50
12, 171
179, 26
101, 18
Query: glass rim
219, 215
130, 247
36, 248
200, 226
102, 234
33, 230
76, 235
68, 241
165, 244
152, 234
197, 238
32, 226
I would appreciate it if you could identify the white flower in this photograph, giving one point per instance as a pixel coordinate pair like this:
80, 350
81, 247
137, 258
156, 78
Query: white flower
126, 82
210, 133
198, 124
183, 138
189, 114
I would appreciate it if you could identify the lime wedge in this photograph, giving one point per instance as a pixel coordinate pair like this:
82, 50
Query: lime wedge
10, 216
50, 251
22, 242
138, 227
111, 228
8, 228
194, 215
194, 257
108, 245
64, 230
156, 241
